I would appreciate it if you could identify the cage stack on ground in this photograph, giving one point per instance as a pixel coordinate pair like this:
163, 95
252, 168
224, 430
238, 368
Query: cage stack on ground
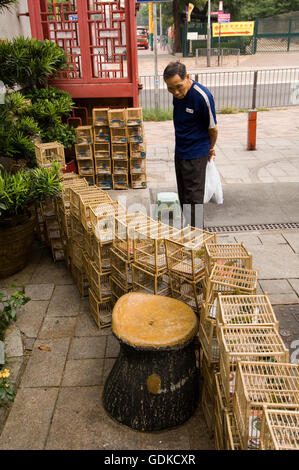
245, 365
149, 267
84, 153
186, 265
137, 147
102, 148
119, 148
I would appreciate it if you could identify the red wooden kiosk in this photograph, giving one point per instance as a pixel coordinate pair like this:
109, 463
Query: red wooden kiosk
99, 38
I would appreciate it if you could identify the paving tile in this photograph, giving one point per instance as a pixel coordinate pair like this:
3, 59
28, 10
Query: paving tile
55, 328
276, 286
50, 272
28, 422
81, 423
108, 364
88, 348
248, 238
112, 347
45, 367
30, 317
39, 291
272, 238
293, 240
274, 261
83, 372
283, 299
295, 285
65, 301
86, 326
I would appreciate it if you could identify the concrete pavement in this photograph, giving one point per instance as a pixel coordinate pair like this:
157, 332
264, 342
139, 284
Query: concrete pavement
58, 401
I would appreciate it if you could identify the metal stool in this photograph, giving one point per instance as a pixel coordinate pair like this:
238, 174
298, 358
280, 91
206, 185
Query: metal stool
168, 201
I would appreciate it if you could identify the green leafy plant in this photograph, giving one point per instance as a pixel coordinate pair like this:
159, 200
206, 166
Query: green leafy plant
18, 191
6, 4
29, 62
62, 133
9, 305
6, 388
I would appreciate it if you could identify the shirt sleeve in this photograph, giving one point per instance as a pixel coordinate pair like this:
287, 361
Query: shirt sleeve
206, 107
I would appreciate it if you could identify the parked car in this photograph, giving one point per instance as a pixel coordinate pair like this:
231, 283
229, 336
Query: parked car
142, 37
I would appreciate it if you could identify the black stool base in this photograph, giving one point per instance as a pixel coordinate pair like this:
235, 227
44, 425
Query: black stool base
151, 390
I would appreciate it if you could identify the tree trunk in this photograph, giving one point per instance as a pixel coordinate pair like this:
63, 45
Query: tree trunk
177, 45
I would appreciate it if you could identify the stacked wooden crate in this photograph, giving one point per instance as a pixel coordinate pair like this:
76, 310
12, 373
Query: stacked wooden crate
137, 147
84, 153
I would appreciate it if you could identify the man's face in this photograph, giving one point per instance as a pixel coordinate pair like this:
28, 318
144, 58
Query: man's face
178, 86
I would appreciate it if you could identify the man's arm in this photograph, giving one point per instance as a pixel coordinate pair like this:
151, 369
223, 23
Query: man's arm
213, 133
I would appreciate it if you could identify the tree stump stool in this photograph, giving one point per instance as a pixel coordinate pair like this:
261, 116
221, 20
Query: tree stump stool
154, 383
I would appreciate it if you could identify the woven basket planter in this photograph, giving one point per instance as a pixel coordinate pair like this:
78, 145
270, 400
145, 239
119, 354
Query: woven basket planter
15, 246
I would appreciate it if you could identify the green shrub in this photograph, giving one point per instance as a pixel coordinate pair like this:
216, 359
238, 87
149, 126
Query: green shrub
153, 114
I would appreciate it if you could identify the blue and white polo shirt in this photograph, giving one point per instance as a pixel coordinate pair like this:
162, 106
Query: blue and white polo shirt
193, 115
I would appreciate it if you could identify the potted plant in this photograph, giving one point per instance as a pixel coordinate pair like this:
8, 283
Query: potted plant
18, 194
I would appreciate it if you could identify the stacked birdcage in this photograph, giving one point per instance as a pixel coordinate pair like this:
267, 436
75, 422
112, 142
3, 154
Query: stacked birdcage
119, 148
101, 148
273, 384
84, 153
122, 251
49, 152
185, 257
137, 147
149, 267
279, 429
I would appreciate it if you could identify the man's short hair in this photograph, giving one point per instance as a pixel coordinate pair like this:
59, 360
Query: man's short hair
175, 68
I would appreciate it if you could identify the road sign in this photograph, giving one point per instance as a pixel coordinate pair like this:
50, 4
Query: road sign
223, 17
234, 28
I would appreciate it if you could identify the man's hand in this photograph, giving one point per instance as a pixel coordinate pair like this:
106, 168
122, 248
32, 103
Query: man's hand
212, 154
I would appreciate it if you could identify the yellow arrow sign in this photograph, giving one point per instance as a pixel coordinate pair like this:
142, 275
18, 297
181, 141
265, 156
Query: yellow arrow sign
234, 28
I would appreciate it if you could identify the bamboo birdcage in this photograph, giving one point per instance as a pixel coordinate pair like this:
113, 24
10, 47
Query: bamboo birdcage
121, 269
76, 254
232, 438
247, 343
228, 254
246, 310
116, 117
149, 282
138, 181
207, 336
83, 151
100, 116
101, 134
124, 232
101, 150
100, 311
230, 280
89, 202
189, 292
79, 184
279, 429
137, 150
207, 404
138, 166
90, 179
49, 152
117, 289
119, 151
120, 167
220, 407
104, 181
84, 135
120, 181
102, 166
74, 197
85, 166
80, 279
149, 245
275, 385
185, 252
134, 116
77, 230
118, 135
135, 134
99, 283
102, 219
101, 255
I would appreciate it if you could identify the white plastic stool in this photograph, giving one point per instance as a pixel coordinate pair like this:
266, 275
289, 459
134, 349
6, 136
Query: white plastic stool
168, 201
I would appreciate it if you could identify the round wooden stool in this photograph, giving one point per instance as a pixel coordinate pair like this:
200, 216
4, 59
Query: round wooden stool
153, 384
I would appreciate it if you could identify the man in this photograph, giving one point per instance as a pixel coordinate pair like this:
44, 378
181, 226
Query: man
195, 125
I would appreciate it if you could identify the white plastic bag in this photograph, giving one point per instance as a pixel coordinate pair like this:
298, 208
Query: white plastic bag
213, 185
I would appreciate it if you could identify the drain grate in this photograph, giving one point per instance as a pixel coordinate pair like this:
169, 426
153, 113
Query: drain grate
254, 227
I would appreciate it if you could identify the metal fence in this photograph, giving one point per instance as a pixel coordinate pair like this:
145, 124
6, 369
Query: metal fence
237, 89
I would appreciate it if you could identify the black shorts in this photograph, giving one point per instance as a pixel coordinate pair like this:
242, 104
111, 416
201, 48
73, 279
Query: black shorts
191, 177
